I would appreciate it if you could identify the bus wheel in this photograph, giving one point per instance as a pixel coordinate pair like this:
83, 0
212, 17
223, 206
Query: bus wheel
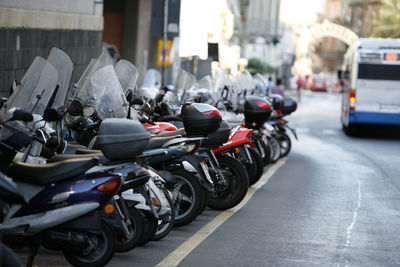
350, 130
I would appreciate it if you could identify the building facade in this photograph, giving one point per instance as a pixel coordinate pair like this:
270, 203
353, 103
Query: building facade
30, 28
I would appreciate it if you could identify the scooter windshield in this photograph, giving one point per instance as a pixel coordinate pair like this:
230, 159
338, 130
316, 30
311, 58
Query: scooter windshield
261, 84
202, 90
183, 83
127, 75
107, 95
36, 88
63, 64
151, 84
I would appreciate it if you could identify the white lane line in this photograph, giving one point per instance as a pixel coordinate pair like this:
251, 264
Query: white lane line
196, 239
355, 215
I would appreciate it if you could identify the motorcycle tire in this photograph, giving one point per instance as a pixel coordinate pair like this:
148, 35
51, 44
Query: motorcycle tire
285, 143
137, 227
238, 183
259, 165
205, 193
267, 152
164, 227
251, 168
276, 149
192, 196
150, 228
104, 241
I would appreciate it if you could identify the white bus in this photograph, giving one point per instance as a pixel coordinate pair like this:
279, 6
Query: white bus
371, 83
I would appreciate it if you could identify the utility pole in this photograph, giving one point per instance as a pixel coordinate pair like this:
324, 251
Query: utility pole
164, 49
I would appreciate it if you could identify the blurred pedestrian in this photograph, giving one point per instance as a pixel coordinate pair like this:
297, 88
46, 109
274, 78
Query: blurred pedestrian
279, 88
271, 86
300, 85
299, 82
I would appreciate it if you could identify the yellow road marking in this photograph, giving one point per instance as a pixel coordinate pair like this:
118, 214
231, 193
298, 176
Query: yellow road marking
196, 239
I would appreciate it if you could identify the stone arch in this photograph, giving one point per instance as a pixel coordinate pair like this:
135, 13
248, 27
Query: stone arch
310, 35
327, 29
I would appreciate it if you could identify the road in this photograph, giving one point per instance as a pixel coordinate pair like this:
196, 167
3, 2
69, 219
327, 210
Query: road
334, 201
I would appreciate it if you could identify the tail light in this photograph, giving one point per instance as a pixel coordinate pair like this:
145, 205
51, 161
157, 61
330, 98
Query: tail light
111, 187
188, 147
263, 105
352, 99
136, 173
212, 113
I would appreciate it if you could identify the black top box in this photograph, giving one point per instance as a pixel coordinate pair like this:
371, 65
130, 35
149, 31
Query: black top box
257, 109
200, 119
122, 139
289, 105
277, 101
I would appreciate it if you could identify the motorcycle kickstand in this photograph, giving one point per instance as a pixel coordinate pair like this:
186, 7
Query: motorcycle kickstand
33, 249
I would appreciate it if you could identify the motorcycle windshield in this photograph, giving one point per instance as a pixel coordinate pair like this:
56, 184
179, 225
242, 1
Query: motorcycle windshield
36, 88
245, 81
63, 64
127, 74
183, 83
83, 89
221, 87
151, 84
203, 89
107, 95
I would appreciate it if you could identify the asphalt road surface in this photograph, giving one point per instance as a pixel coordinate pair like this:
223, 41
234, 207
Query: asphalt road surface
334, 201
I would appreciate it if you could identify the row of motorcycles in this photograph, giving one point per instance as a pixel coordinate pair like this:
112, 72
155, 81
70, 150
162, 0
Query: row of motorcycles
113, 162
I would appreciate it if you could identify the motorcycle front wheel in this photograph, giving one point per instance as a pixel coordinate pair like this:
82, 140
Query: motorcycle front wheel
259, 165
136, 230
100, 249
165, 226
150, 227
285, 144
237, 184
190, 196
276, 149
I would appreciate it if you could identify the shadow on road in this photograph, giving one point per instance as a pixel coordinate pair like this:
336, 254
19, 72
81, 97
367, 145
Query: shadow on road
377, 132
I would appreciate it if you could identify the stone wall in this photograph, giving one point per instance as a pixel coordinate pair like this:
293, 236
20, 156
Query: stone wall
18, 48
26, 33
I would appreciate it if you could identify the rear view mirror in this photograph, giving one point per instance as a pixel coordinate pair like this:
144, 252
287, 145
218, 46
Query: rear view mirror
147, 108
3, 100
52, 114
21, 115
136, 101
159, 97
129, 96
76, 108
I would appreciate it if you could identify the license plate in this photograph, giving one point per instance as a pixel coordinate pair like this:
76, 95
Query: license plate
390, 107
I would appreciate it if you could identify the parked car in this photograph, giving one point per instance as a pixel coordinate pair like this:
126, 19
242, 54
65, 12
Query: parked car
318, 83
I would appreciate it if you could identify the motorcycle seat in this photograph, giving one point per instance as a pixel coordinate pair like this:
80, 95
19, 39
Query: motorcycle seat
178, 132
158, 142
44, 174
62, 157
87, 151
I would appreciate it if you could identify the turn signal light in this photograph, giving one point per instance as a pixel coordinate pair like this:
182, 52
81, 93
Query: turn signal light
109, 208
155, 202
111, 187
136, 173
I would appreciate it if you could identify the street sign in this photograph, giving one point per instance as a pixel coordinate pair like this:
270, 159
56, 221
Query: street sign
166, 52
